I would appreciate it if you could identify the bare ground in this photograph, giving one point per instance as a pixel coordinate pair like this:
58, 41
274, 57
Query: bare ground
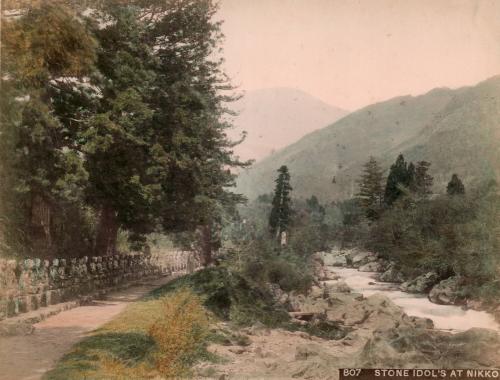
28, 357
276, 354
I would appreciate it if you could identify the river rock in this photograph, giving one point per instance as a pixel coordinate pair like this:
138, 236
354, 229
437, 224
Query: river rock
421, 284
447, 292
476, 347
312, 303
396, 347
374, 266
408, 347
336, 287
376, 311
476, 305
361, 258
391, 274
315, 292
334, 258
418, 322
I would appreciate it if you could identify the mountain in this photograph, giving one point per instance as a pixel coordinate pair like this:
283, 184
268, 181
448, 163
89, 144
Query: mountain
458, 131
277, 117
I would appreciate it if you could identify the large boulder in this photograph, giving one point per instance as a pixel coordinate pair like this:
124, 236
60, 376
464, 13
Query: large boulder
334, 258
391, 274
421, 284
447, 292
336, 261
407, 347
374, 266
474, 348
314, 302
333, 287
374, 312
358, 259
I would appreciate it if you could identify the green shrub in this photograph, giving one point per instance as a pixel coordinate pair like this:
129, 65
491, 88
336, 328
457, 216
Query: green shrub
230, 296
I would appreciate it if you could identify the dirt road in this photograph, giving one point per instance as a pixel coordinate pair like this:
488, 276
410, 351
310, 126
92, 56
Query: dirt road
29, 357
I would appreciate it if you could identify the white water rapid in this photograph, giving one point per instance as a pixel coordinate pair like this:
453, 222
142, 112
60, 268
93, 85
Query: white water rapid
445, 317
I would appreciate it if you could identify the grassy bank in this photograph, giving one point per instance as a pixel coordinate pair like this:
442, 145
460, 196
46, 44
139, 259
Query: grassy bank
161, 336
168, 331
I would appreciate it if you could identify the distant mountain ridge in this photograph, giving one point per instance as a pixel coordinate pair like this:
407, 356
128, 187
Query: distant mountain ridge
458, 131
277, 117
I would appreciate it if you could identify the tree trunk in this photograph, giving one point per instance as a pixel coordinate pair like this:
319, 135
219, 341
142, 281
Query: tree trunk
41, 225
107, 231
206, 245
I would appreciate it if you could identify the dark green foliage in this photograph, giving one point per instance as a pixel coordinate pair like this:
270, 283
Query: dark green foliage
371, 190
117, 125
286, 272
281, 211
234, 297
449, 235
411, 175
399, 177
230, 296
422, 183
353, 228
261, 258
42, 176
258, 261
455, 186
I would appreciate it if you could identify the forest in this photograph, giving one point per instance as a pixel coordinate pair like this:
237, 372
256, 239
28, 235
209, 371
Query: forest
114, 126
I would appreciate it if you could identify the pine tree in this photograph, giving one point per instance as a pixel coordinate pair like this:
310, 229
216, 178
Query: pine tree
423, 180
170, 161
411, 176
128, 115
371, 189
44, 172
398, 177
191, 100
455, 186
281, 211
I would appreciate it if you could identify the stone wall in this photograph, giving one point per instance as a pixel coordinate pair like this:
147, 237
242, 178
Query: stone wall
33, 283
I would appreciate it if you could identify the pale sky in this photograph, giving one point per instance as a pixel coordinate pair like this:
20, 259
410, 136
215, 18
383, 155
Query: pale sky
351, 53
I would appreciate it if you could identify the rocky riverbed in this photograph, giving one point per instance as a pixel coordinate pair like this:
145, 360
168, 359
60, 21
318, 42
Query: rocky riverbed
373, 332
448, 291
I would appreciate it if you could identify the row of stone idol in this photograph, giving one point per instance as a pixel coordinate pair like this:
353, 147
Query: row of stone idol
29, 284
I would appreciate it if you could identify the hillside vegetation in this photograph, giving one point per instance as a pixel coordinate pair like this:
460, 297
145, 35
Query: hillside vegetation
456, 130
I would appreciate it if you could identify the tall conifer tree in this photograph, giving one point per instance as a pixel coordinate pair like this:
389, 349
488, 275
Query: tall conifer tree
281, 211
398, 176
455, 186
371, 189
422, 185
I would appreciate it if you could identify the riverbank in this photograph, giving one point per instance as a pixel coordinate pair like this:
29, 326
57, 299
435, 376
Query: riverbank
448, 291
285, 335
378, 333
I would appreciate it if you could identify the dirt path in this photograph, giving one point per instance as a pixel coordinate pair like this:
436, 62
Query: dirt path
29, 357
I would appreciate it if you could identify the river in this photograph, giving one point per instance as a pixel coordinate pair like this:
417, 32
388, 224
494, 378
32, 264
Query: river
445, 317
